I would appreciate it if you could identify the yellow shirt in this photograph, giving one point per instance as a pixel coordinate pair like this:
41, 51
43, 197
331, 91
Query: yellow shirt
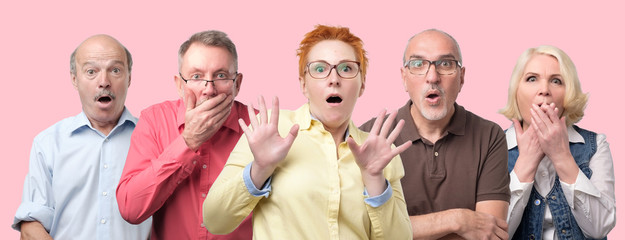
313, 195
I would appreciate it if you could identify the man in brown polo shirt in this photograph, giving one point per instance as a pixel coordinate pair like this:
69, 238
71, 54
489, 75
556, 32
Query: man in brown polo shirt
456, 182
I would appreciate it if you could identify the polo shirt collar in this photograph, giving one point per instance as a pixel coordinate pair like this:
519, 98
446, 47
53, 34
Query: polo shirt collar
456, 126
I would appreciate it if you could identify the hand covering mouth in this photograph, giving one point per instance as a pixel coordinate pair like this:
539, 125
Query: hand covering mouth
334, 99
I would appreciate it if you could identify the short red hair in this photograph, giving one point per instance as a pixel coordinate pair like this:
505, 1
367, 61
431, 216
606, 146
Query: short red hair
322, 32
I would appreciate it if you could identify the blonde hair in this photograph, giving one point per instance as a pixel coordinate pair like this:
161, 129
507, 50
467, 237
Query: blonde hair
574, 99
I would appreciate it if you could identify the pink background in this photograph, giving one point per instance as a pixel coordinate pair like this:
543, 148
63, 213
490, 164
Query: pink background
37, 39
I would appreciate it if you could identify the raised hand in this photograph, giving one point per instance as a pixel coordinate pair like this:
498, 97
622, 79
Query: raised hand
202, 120
554, 140
376, 152
268, 147
530, 152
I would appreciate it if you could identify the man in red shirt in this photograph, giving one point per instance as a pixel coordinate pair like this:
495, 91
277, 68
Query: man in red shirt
179, 147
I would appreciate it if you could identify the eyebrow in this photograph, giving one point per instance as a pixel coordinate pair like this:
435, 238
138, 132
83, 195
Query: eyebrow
536, 74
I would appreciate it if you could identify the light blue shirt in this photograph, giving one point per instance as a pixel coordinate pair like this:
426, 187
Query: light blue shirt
72, 176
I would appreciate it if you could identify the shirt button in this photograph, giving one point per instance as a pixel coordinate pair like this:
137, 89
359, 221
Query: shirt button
202, 225
204, 166
106, 166
103, 221
104, 193
194, 162
436, 154
553, 197
106, 140
203, 195
563, 231
537, 202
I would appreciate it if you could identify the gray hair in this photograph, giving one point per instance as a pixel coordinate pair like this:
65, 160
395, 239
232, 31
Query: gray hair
210, 38
434, 30
72, 59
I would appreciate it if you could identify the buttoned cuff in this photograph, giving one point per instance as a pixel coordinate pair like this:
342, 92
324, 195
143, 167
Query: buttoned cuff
380, 199
247, 179
518, 190
582, 185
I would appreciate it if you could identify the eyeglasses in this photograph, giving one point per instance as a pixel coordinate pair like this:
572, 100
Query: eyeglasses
222, 80
322, 69
422, 66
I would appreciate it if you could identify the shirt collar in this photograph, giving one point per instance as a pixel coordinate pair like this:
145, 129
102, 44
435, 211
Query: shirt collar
231, 122
456, 126
304, 119
81, 121
574, 136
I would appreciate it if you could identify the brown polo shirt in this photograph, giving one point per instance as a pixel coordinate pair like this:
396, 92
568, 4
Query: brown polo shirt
467, 165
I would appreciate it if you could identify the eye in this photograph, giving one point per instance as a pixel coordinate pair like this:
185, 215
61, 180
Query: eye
531, 79
221, 76
416, 63
90, 72
556, 81
319, 68
195, 76
116, 70
345, 68
444, 63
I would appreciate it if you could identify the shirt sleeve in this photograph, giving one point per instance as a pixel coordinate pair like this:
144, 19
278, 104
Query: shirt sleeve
37, 196
229, 199
390, 220
153, 170
519, 196
592, 200
493, 178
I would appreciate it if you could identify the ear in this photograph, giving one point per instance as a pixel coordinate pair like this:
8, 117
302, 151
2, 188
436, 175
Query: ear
302, 86
403, 72
74, 80
179, 86
238, 82
461, 78
129, 79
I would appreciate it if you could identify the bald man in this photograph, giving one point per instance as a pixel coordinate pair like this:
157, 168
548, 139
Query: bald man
75, 165
456, 181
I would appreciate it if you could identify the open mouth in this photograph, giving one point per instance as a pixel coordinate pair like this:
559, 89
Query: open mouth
432, 95
334, 99
104, 99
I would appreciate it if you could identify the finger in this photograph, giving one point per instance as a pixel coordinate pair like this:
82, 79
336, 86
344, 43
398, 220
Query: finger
501, 234
275, 112
263, 110
401, 148
540, 112
396, 131
189, 99
290, 138
387, 124
245, 129
213, 102
353, 146
252, 116
378, 122
550, 111
538, 123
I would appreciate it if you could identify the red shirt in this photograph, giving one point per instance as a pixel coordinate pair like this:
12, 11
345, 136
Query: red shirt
165, 179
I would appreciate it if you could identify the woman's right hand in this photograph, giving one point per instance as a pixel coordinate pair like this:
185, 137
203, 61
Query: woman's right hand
530, 152
268, 147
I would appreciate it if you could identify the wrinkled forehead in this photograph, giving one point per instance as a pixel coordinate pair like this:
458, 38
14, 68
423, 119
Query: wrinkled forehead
201, 57
101, 49
432, 46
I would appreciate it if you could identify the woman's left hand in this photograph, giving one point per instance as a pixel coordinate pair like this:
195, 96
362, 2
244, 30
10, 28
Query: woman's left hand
554, 139
376, 152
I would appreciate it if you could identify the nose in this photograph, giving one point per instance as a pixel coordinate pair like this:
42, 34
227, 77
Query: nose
432, 76
209, 89
334, 78
544, 89
104, 81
